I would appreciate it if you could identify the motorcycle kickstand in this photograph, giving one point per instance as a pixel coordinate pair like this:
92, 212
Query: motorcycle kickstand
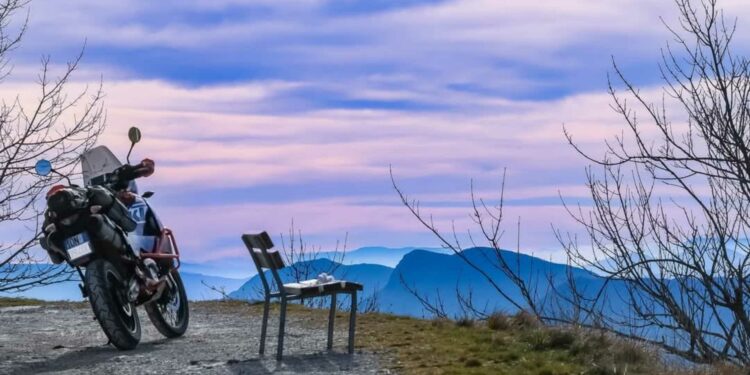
81, 286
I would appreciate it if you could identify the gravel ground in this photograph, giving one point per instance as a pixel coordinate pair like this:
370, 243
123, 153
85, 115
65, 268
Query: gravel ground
221, 339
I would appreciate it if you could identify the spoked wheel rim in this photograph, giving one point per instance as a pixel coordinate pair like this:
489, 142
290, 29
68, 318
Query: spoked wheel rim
171, 306
126, 311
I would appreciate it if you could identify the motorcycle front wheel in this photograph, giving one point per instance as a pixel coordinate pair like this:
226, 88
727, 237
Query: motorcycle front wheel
170, 313
116, 315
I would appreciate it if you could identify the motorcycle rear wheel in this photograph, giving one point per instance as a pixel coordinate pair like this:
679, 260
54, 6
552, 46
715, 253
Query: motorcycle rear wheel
170, 313
116, 315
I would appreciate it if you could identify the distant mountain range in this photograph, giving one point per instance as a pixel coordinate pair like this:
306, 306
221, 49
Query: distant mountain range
198, 287
440, 276
435, 276
241, 267
232, 268
230, 274
385, 256
434, 273
201, 287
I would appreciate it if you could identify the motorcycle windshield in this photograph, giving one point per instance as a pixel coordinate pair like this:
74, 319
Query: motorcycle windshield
97, 162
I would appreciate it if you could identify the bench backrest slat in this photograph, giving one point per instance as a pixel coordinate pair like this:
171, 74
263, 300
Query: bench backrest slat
258, 246
270, 259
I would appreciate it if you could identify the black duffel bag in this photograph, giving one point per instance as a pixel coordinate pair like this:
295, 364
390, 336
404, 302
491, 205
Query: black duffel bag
113, 208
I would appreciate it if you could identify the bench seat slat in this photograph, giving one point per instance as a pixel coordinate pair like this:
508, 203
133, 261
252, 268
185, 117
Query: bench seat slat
311, 288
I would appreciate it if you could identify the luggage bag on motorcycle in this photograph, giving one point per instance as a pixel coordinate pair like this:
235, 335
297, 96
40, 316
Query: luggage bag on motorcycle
66, 202
113, 208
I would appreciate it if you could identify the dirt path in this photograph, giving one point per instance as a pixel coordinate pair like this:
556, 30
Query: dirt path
220, 340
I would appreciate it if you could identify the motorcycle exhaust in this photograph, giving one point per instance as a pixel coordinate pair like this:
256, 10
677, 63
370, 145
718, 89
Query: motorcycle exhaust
153, 285
160, 286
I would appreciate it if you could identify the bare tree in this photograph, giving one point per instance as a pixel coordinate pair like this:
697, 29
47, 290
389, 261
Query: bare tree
301, 256
488, 219
303, 260
57, 127
434, 303
669, 224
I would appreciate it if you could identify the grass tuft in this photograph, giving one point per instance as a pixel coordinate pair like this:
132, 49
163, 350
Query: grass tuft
525, 319
472, 363
465, 322
560, 338
440, 322
499, 322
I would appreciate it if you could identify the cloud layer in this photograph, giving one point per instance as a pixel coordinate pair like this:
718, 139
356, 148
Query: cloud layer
260, 112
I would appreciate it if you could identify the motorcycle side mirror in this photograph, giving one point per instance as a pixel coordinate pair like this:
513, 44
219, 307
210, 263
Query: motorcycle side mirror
134, 134
43, 167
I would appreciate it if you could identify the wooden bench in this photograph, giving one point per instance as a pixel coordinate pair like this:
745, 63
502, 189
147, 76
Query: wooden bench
259, 245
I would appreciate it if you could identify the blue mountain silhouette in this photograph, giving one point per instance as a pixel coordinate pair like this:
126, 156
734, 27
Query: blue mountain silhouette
69, 291
436, 276
385, 256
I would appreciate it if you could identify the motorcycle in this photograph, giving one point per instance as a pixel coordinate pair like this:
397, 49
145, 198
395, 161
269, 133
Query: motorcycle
130, 258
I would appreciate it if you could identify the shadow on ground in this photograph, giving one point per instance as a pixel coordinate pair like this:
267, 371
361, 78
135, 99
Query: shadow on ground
73, 360
324, 363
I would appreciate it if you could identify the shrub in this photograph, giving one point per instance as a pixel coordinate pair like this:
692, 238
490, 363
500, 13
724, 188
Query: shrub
629, 352
525, 319
560, 339
537, 339
592, 345
499, 322
472, 363
439, 322
550, 339
465, 322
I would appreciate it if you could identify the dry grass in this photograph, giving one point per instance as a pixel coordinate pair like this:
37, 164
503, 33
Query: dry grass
465, 322
438, 347
525, 319
499, 322
516, 344
13, 302
716, 369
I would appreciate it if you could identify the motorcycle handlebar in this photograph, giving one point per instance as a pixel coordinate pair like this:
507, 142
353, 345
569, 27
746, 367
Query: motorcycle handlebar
122, 176
130, 172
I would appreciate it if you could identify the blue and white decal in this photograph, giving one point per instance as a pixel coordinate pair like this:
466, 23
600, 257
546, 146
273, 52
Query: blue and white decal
138, 212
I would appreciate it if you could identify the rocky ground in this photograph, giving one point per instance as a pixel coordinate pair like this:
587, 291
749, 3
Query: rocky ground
221, 339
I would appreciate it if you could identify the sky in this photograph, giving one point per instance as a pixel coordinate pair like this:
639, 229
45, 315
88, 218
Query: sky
258, 113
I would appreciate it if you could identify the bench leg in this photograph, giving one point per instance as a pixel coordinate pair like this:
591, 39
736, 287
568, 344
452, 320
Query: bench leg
352, 322
331, 316
264, 326
282, 322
